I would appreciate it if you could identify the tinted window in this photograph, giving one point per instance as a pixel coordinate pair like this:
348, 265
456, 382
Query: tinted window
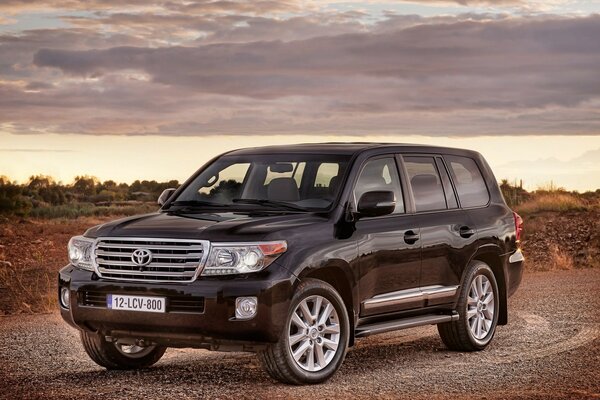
225, 185
380, 174
425, 183
305, 180
469, 183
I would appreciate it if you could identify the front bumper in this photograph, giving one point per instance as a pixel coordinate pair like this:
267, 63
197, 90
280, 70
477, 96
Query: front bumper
212, 326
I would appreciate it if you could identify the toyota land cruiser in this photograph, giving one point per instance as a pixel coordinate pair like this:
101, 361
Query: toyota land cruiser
294, 252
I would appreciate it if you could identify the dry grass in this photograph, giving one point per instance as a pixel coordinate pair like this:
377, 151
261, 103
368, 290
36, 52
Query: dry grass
31, 253
553, 201
31, 289
560, 259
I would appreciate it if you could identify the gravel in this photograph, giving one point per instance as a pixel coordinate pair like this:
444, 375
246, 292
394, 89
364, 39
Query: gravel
550, 349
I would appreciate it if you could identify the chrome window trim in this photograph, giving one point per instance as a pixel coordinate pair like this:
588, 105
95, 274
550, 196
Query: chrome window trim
205, 252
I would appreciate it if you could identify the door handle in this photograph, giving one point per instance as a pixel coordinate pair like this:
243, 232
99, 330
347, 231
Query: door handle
410, 237
466, 232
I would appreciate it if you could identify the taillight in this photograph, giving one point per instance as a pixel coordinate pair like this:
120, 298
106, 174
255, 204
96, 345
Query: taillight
518, 225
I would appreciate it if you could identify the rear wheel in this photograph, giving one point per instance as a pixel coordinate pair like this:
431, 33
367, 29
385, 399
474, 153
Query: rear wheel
118, 355
478, 311
313, 345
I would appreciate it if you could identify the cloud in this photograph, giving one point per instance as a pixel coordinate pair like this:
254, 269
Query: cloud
199, 6
507, 64
173, 69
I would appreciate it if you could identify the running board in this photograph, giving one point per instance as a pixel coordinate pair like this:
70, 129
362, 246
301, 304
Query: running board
381, 327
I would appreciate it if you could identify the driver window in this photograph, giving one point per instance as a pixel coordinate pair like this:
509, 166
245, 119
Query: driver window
226, 184
380, 174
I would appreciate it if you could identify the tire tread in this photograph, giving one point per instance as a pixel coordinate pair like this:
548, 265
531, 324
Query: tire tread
106, 355
455, 334
274, 359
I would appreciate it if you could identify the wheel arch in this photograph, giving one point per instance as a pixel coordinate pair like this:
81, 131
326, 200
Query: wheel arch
491, 255
337, 274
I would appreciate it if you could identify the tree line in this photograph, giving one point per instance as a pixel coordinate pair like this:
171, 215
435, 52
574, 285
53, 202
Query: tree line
44, 191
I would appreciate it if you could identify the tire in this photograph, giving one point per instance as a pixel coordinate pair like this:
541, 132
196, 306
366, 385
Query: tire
112, 355
330, 326
474, 311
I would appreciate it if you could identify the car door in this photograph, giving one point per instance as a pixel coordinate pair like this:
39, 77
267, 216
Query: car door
448, 236
389, 248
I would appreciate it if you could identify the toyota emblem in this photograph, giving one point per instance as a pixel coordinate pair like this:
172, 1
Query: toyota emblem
141, 257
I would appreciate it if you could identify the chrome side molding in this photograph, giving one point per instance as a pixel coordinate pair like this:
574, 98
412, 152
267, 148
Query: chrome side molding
409, 296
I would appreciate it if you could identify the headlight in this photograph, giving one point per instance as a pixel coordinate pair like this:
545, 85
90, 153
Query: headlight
80, 252
242, 258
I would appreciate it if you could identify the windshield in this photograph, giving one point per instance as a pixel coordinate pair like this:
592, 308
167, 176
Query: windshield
278, 181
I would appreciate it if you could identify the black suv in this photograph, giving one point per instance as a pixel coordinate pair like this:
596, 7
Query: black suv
294, 252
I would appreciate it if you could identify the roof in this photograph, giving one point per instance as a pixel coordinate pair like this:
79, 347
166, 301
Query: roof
347, 148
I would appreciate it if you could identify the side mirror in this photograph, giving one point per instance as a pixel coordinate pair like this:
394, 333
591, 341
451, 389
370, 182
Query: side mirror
164, 196
376, 203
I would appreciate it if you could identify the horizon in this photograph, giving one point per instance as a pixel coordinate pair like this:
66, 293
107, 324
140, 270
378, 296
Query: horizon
504, 167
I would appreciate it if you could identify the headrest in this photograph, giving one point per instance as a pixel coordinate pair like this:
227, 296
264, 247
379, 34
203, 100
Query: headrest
424, 181
283, 189
333, 183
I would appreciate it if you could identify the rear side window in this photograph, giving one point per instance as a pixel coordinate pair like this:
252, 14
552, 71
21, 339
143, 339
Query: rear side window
468, 180
425, 183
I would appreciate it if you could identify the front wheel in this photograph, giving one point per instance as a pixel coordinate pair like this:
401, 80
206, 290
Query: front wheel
117, 355
313, 344
478, 307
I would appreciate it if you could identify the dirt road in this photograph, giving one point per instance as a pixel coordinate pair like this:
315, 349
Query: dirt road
550, 349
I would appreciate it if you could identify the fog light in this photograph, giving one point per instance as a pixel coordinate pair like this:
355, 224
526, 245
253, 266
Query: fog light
245, 307
65, 297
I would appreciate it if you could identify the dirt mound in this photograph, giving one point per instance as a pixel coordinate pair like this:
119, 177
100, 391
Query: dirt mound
562, 240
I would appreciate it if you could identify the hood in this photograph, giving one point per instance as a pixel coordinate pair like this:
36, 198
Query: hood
215, 227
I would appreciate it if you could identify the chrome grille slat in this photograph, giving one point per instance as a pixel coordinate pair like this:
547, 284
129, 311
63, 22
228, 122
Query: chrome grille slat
173, 260
154, 255
130, 264
148, 246
155, 273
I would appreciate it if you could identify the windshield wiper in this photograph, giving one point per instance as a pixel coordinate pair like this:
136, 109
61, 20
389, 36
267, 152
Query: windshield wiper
272, 203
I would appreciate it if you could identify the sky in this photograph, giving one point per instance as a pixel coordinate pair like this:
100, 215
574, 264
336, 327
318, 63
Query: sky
152, 89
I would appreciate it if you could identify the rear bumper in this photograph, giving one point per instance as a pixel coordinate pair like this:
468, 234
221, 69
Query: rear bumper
212, 326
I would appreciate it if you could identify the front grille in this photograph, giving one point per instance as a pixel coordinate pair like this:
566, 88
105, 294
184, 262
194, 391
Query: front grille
190, 304
172, 260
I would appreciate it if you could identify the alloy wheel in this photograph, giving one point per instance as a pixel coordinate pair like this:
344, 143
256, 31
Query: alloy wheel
480, 307
314, 333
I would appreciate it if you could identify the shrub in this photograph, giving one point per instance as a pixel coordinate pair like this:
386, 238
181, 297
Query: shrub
552, 201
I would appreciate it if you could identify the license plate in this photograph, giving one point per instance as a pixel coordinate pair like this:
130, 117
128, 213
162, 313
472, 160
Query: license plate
136, 303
